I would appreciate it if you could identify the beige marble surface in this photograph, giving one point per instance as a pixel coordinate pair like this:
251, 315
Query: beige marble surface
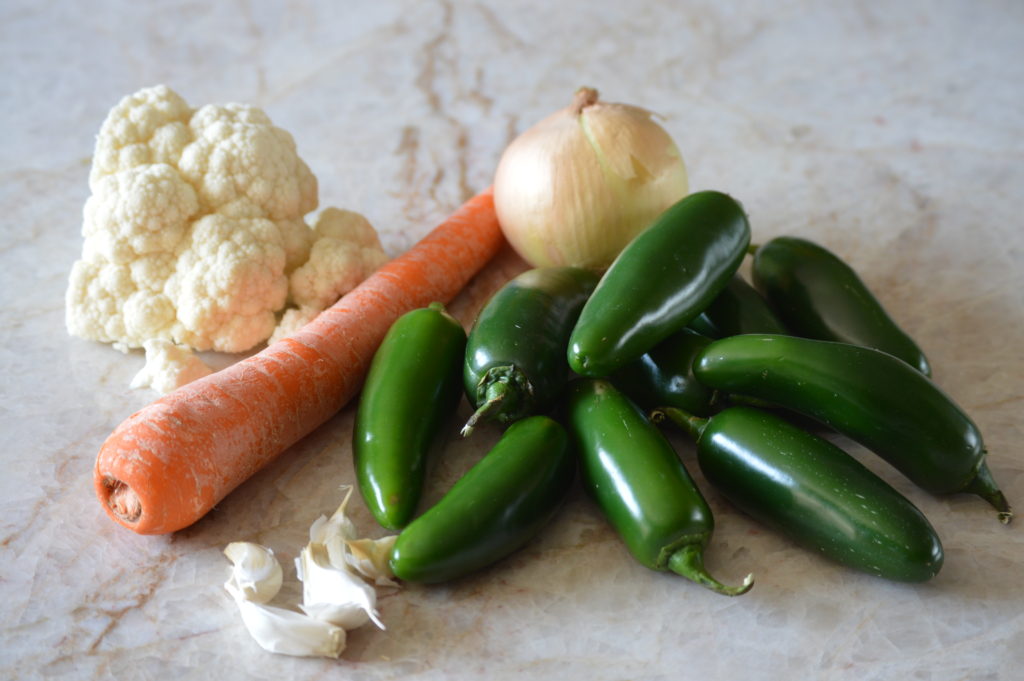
891, 132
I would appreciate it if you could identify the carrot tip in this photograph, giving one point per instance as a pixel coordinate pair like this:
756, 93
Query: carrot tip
122, 500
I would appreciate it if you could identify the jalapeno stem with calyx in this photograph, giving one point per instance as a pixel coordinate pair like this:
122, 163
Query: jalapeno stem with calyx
496, 394
503, 390
689, 562
985, 487
694, 425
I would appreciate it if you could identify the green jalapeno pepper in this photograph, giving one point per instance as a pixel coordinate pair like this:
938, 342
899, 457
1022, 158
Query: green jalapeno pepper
813, 492
738, 309
638, 481
663, 377
664, 278
515, 355
819, 296
868, 395
496, 507
411, 390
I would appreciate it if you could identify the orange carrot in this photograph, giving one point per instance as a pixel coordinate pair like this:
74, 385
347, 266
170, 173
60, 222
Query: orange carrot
166, 465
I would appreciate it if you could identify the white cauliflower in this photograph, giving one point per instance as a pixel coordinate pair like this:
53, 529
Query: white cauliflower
294, 318
346, 249
195, 225
346, 245
169, 366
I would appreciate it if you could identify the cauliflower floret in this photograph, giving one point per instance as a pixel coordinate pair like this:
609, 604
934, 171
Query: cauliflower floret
240, 162
169, 366
140, 211
150, 126
347, 250
195, 225
229, 278
237, 153
294, 318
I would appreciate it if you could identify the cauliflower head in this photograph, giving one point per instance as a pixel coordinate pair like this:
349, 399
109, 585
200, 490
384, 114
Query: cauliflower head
195, 227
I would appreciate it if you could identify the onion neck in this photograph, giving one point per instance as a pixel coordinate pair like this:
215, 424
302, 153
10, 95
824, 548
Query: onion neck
584, 97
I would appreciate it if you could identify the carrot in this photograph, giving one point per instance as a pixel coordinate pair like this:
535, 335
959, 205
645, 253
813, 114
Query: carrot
169, 463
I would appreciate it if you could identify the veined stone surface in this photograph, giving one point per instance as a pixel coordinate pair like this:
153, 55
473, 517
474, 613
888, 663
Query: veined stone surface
892, 133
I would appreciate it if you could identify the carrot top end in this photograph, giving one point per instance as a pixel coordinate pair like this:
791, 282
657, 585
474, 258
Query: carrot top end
122, 501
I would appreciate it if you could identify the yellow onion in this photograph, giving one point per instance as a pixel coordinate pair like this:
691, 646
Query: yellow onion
576, 187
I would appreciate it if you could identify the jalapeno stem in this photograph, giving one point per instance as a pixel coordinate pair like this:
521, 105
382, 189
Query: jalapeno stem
985, 487
689, 562
693, 425
496, 393
499, 395
507, 396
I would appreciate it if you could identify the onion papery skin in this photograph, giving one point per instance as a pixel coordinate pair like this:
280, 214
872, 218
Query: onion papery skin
576, 187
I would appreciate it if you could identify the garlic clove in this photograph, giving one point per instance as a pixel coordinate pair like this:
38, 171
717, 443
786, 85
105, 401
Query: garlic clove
291, 633
338, 527
334, 595
255, 575
256, 579
371, 559
367, 557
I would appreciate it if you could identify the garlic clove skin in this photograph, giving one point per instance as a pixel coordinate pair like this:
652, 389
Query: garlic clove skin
346, 551
339, 527
332, 572
334, 595
334, 568
291, 633
576, 187
255, 574
255, 579
371, 559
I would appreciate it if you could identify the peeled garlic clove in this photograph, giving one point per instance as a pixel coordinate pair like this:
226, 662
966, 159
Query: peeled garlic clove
255, 575
332, 594
291, 633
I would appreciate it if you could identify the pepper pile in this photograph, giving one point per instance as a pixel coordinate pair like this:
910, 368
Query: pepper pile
670, 331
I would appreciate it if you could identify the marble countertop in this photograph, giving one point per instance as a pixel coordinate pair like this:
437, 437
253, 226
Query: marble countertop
890, 132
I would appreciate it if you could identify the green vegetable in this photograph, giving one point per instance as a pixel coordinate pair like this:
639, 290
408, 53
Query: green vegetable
819, 296
411, 391
515, 356
738, 309
496, 507
813, 492
640, 484
664, 278
663, 377
868, 395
